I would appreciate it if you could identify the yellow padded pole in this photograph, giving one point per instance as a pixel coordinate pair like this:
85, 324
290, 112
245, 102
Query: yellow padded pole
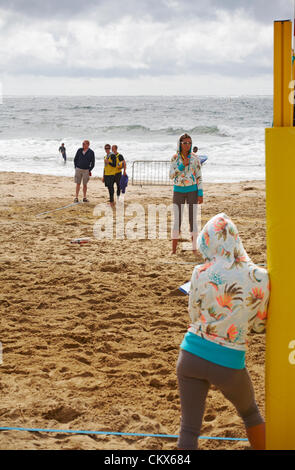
280, 335
280, 206
278, 76
291, 96
283, 108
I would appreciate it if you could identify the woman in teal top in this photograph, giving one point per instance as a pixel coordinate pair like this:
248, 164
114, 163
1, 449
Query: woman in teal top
185, 170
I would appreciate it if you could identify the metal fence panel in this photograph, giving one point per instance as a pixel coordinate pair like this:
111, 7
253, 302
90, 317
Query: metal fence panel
148, 172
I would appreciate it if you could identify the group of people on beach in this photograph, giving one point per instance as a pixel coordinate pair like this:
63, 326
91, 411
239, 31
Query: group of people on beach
84, 162
228, 292
114, 164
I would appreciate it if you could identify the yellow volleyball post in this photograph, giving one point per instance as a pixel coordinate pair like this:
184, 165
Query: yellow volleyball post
293, 79
280, 209
283, 109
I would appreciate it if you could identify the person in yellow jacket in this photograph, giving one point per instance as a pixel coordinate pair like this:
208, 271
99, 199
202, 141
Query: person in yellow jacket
110, 170
121, 165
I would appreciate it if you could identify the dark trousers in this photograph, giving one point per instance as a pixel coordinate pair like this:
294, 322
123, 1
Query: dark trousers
109, 181
117, 181
179, 200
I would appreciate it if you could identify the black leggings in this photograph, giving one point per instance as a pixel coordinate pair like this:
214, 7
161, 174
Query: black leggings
109, 181
195, 375
117, 181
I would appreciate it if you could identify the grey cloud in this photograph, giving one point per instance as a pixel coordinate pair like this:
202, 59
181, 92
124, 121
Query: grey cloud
45, 8
109, 10
160, 10
156, 68
262, 10
104, 10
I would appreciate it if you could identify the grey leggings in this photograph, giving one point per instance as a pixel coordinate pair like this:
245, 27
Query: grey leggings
179, 200
195, 375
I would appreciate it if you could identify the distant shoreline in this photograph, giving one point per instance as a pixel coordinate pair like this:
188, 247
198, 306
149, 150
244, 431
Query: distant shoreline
139, 96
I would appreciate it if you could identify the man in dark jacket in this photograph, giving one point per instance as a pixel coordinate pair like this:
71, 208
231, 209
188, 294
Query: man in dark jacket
84, 162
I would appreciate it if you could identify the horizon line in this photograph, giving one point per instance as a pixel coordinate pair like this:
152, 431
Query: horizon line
235, 95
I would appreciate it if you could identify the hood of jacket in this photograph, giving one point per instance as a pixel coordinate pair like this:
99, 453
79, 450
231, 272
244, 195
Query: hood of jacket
220, 238
228, 292
179, 147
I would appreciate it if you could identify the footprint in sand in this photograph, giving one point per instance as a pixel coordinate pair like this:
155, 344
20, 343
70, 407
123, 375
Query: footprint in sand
222, 408
209, 417
83, 360
163, 323
71, 346
133, 355
82, 315
109, 268
62, 414
85, 375
114, 316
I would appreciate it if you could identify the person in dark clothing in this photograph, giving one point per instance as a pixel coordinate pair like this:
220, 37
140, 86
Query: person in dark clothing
84, 162
120, 164
62, 150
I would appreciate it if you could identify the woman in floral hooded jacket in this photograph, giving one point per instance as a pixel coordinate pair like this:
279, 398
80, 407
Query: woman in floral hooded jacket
185, 170
227, 294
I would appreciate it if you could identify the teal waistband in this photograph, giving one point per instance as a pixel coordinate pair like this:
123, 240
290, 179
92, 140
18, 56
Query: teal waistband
213, 352
185, 189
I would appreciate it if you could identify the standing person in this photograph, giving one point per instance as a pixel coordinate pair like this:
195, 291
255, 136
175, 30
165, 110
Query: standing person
121, 164
185, 169
227, 293
62, 150
84, 162
110, 169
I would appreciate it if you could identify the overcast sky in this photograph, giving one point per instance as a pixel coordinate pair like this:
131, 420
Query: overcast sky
129, 47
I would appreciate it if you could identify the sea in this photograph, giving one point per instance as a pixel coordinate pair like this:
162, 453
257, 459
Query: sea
228, 130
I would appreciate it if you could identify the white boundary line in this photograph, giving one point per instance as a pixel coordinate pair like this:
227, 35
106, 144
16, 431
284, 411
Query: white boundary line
59, 208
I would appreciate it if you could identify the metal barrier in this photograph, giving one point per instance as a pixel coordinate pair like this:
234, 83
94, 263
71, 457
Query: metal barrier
155, 172
150, 172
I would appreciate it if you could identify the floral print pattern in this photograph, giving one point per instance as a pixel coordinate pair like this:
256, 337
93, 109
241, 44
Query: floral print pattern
190, 175
228, 292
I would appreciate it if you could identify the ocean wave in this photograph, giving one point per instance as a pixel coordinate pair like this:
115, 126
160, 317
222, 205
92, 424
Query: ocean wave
241, 164
78, 107
127, 128
211, 130
176, 131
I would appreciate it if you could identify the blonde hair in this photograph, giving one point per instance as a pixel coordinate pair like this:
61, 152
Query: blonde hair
184, 136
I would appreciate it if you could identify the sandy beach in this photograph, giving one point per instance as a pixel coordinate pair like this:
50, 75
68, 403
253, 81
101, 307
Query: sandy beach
91, 333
